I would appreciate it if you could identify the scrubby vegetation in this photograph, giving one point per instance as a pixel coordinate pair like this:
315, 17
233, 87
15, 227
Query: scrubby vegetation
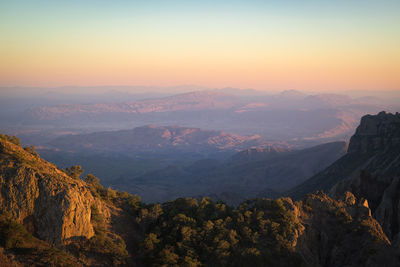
186, 232
16, 239
74, 171
194, 232
13, 139
104, 248
13, 234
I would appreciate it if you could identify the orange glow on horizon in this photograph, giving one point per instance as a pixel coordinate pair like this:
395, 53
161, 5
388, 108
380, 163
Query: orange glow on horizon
263, 50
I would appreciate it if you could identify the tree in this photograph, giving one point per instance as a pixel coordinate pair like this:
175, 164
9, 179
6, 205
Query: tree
91, 179
31, 149
134, 203
74, 171
13, 139
111, 194
150, 241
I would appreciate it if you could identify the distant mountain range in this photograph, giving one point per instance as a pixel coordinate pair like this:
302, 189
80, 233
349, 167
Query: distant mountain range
160, 139
290, 115
187, 102
51, 217
225, 99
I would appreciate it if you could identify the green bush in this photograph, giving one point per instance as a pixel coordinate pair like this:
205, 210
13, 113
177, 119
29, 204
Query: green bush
98, 220
32, 150
74, 171
112, 248
13, 139
54, 257
185, 233
13, 234
94, 184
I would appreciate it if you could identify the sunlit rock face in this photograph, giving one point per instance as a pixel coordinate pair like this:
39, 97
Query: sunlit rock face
50, 203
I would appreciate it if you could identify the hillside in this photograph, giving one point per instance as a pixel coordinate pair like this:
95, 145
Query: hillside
47, 215
249, 173
370, 170
46, 199
157, 139
111, 228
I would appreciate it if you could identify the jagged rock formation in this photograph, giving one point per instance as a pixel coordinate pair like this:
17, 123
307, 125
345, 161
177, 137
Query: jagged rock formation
51, 204
376, 133
370, 170
378, 180
342, 233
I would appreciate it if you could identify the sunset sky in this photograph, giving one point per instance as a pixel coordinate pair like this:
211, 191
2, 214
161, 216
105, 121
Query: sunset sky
304, 45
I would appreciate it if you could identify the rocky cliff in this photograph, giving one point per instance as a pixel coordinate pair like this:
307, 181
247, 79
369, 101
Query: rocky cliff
342, 233
376, 133
47, 201
378, 179
370, 170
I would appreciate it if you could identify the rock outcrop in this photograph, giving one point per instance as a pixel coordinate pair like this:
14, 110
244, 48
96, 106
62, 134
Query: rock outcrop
370, 170
47, 201
342, 233
376, 133
377, 179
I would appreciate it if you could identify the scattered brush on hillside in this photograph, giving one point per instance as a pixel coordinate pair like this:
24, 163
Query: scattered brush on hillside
317, 231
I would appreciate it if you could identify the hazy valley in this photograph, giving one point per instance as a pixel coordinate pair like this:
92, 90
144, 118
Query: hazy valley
200, 133
289, 116
51, 216
229, 144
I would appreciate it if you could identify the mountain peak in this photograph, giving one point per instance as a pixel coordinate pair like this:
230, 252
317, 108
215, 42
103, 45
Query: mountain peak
376, 132
292, 94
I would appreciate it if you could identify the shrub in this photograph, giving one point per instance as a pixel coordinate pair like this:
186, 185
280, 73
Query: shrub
94, 184
31, 149
97, 219
55, 257
13, 139
111, 194
13, 234
74, 171
113, 248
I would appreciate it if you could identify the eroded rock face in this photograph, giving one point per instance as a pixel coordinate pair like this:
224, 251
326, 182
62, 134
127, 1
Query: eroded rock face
377, 180
375, 133
369, 170
342, 233
388, 211
50, 203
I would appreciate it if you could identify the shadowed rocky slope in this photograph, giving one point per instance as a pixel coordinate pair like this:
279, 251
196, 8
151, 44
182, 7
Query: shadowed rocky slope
247, 174
370, 169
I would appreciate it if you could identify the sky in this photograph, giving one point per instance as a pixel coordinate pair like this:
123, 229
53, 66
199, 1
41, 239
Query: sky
266, 45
